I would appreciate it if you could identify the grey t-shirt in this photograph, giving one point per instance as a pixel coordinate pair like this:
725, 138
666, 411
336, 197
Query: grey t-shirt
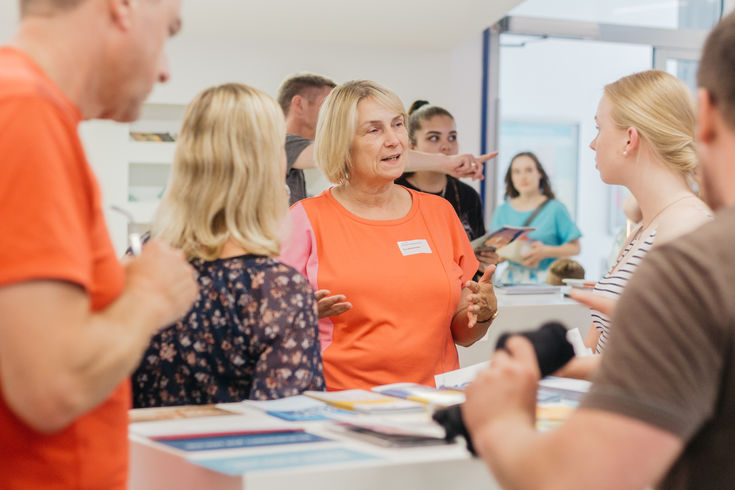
295, 177
669, 361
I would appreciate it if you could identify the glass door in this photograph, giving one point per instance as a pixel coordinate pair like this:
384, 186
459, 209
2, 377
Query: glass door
545, 75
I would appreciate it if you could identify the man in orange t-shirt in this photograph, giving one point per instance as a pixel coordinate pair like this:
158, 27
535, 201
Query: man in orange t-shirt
73, 320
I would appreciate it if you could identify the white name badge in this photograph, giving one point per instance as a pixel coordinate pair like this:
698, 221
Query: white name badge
413, 247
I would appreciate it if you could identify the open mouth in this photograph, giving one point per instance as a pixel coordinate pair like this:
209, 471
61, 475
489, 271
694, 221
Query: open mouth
391, 158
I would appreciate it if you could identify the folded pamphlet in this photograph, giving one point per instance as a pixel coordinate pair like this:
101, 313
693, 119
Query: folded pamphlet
428, 395
364, 401
459, 378
389, 436
527, 289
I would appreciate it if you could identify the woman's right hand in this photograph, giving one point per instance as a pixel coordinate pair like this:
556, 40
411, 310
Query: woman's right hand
467, 165
330, 305
482, 301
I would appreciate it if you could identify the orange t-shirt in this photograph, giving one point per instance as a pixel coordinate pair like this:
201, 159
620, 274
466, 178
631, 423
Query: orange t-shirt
53, 228
403, 277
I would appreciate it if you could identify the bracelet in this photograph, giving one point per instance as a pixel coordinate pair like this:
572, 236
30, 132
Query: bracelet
492, 317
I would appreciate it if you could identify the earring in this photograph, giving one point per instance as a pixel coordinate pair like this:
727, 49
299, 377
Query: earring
625, 152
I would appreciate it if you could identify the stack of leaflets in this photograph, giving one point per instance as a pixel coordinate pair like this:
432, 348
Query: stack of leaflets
527, 289
433, 397
364, 401
392, 435
556, 400
298, 408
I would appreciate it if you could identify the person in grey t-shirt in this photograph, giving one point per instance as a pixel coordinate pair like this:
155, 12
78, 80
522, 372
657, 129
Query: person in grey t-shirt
300, 96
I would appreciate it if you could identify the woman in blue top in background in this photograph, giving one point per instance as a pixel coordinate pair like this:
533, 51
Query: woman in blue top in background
527, 188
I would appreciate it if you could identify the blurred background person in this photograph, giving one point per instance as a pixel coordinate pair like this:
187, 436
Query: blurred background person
252, 332
401, 257
300, 97
564, 268
530, 202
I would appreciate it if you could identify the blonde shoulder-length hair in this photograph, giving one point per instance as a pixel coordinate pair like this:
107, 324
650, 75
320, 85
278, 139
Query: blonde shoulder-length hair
661, 108
227, 179
337, 125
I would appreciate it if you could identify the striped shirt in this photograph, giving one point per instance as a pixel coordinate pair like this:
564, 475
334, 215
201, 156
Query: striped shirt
613, 283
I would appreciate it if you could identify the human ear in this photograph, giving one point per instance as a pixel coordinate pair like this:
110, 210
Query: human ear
705, 128
632, 141
121, 12
297, 102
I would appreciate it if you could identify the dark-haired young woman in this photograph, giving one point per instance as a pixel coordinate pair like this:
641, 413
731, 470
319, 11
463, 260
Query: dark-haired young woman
431, 129
528, 191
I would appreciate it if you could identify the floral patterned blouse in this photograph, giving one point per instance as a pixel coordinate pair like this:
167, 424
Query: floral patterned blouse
251, 334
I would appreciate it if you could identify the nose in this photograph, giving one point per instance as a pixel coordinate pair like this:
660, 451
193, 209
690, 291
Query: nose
392, 138
593, 144
164, 71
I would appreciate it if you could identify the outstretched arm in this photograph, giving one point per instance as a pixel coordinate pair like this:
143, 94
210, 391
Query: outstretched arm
460, 166
465, 165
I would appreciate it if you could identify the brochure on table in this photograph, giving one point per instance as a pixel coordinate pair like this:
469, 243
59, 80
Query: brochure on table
236, 445
364, 401
432, 397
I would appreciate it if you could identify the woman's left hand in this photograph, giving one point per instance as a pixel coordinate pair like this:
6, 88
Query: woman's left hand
534, 256
482, 301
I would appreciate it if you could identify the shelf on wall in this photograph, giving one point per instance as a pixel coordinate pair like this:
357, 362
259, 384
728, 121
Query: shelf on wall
161, 112
151, 152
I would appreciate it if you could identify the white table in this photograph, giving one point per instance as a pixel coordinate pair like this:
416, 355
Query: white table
519, 312
154, 467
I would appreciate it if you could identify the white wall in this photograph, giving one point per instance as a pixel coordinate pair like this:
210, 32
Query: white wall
451, 78
465, 93
652, 13
8, 20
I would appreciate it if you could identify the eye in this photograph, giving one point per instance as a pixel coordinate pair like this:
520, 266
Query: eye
433, 138
452, 138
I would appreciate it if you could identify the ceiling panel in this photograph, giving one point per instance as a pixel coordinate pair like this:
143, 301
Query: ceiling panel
433, 24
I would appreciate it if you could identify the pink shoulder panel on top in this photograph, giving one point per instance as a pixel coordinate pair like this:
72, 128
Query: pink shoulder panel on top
300, 252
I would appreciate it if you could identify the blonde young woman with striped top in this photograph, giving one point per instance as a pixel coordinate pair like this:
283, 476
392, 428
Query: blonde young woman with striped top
645, 142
